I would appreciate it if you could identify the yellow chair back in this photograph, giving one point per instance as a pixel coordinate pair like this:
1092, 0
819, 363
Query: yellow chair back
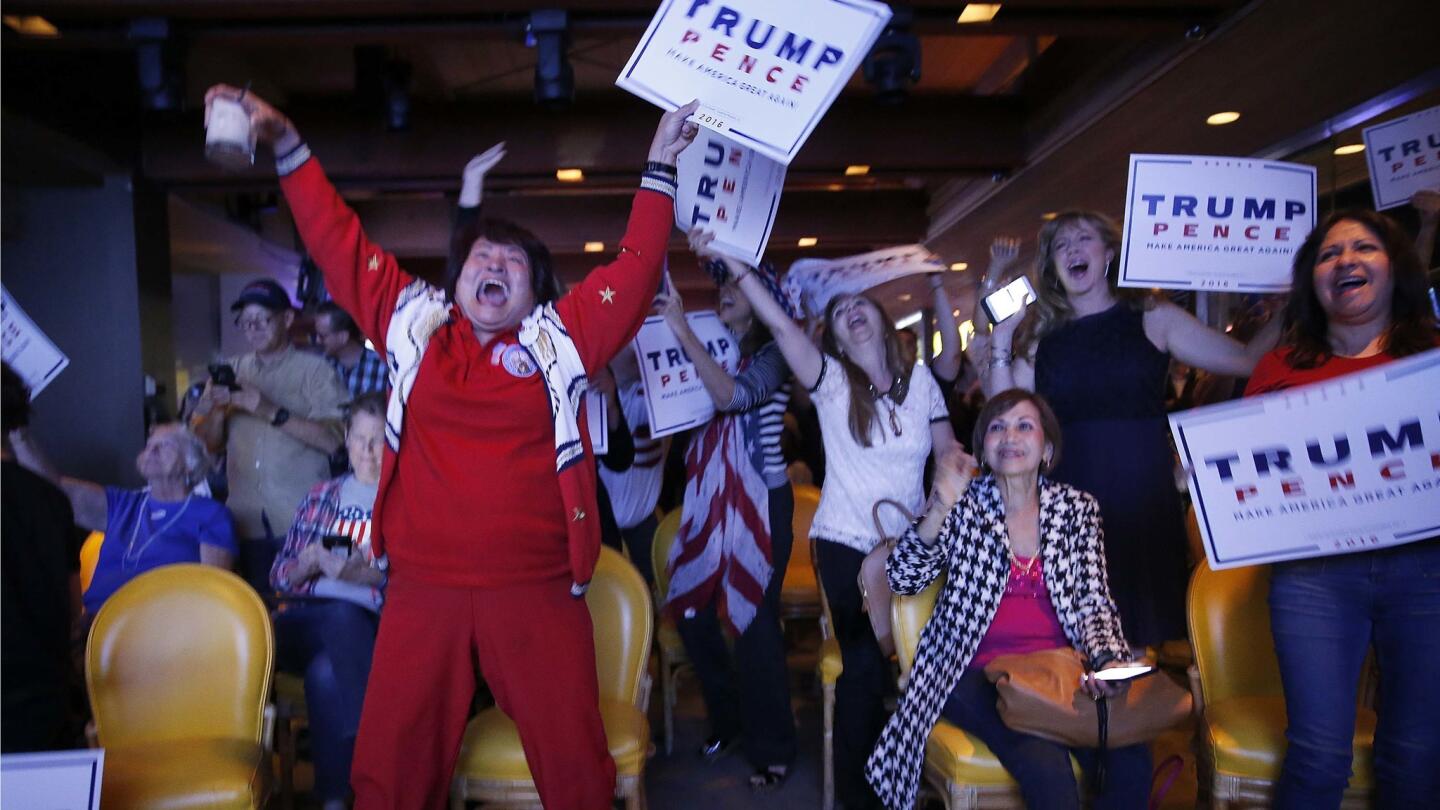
908, 616
89, 556
665, 533
181, 652
807, 500
1230, 631
624, 621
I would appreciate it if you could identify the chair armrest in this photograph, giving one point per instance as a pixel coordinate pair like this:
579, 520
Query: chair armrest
267, 728
1197, 691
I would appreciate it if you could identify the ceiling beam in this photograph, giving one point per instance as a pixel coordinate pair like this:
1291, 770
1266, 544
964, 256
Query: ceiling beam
946, 135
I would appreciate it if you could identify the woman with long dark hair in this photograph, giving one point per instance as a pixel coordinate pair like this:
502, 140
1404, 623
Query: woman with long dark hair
881, 417
1100, 354
1358, 300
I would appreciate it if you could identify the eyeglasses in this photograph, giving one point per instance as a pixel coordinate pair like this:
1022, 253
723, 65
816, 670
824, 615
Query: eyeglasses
254, 324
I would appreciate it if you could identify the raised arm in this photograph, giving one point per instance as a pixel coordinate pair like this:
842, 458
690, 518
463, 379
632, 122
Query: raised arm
800, 352
361, 277
87, 500
718, 382
1427, 202
992, 350
1176, 331
947, 363
606, 309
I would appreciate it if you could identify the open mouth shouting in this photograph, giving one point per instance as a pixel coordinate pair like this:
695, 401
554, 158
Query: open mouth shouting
1077, 268
492, 291
1350, 283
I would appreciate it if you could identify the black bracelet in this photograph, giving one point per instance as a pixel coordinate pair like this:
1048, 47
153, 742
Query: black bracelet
663, 168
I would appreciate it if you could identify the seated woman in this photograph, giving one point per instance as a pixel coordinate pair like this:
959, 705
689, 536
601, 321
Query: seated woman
1026, 572
161, 524
329, 638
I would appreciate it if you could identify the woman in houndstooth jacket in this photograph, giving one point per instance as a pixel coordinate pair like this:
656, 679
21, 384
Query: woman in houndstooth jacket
1026, 572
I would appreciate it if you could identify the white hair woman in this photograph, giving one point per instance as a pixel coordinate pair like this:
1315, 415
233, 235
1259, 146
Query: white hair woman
164, 522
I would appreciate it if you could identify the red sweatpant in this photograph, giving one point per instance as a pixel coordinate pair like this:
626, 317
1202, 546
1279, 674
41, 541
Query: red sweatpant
536, 650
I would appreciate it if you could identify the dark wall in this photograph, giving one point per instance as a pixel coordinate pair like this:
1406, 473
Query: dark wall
69, 260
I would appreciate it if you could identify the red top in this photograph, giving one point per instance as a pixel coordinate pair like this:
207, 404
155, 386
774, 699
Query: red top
1025, 621
473, 498
1273, 372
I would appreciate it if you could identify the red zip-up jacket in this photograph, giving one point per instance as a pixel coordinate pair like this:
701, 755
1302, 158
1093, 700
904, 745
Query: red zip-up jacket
472, 498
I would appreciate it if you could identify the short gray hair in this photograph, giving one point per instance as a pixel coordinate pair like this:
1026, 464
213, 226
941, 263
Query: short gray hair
197, 457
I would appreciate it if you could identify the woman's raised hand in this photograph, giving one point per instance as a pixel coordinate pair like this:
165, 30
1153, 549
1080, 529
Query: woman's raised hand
1003, 251
674, 134
472, 179
953, 473
269, 125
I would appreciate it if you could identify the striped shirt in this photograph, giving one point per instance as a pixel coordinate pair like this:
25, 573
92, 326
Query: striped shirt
763, 386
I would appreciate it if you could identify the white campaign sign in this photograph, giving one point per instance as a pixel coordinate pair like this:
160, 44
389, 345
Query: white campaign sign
1404, 157
674, 395
52, 780
1194, 222
1349, 464
731, 190
764, 72
26, 349
811, 283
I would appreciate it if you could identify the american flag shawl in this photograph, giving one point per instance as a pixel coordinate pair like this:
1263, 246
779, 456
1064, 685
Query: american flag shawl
722, 550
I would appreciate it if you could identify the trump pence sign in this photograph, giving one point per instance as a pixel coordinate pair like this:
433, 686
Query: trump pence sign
1195, 222
1349, 464
1404, 157
675, 396
765, 72
732, 191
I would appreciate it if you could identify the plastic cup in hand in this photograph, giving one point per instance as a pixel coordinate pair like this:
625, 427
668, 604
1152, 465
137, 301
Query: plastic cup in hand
229, 142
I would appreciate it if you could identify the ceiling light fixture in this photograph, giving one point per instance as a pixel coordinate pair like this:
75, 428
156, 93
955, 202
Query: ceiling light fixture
569, 175
31, 26
1350, 149
548, 32
978, 13
594, 247
908, 321
807, 241
959, 265
893, 64
1220, 119
905, 297
1048, 215
856, 170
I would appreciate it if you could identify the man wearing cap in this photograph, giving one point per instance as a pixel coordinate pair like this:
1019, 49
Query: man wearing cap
278, 426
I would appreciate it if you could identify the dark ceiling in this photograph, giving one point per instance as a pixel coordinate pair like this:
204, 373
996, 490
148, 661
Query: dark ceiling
1009, 119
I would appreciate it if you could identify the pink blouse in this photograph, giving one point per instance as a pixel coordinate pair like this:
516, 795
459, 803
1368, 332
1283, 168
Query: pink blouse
1025, 621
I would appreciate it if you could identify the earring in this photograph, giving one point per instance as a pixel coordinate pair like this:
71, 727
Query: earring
1107, 268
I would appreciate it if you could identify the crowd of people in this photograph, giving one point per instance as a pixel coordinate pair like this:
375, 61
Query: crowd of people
428, 512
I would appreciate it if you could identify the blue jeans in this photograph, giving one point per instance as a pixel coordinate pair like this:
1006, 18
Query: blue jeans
1041, 767
1325, 614
330, 643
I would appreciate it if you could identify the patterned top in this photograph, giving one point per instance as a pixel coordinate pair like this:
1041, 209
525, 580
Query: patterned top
368, 375
320, 514
971, 550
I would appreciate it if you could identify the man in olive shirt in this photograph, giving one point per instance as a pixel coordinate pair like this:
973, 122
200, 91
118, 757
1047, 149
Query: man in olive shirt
278, 426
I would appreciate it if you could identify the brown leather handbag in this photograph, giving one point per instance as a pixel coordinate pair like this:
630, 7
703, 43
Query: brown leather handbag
875, 583
1039, 694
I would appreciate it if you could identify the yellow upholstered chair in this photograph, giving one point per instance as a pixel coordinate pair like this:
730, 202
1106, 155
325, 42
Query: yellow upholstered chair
959, 766
673, 661
178, 668
89, 556
828, 667
800, 591
1238, 695
492, 769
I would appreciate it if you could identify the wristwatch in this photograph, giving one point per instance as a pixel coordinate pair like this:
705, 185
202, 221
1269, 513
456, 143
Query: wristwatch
281, 417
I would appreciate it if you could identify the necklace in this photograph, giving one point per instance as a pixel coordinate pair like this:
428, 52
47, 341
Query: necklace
895, 395
130, 560
1014, 560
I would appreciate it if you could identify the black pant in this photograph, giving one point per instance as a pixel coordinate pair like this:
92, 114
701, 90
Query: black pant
257, 555
760, 712
865, 680
1041, 767
638, 540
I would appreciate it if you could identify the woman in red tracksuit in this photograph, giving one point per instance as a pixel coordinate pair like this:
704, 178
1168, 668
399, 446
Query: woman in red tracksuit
490, 545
